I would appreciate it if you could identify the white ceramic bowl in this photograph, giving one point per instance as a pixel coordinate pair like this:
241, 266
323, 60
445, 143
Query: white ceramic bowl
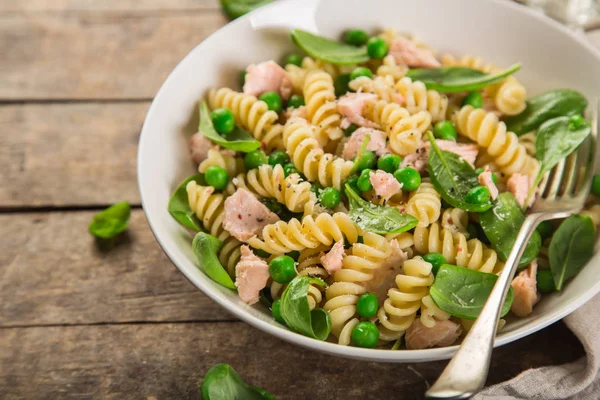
498, 31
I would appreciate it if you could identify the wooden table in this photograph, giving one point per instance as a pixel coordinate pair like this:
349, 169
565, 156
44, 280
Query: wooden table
79, 320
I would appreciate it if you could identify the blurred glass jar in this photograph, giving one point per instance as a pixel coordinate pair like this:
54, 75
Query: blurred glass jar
574, 13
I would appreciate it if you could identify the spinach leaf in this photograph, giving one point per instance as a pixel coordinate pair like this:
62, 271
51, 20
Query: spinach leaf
541, 108
221, 382
329, 50
179, 207
205, 248
110, 222
237, 8
453, 177
555, 140
378, 219
501, 225
237, 140
462, 292
458, 79
572, 246
296, 313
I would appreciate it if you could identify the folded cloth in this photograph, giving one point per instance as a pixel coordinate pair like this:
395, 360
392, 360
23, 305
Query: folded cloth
576, 380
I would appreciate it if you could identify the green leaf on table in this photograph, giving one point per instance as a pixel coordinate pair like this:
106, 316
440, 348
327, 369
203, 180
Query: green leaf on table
572, 246
541, 108
501, 225
179, 207
329, 50
237, 8
206, 248
462, 292
453, 177
457, 79
296, 312
380, 219
110, 222
221, 382
237, 140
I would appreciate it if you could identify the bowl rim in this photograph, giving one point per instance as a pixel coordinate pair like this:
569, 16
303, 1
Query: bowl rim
378, 355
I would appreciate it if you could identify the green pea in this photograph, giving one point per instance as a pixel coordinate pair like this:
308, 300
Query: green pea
330, 197
289, 169
276, 311
340, 84
479, 171
365, 334
596, 185
350, 130
389, 162
278, 157
296, 101
409, 178
473, 99
472, 231
545, 229
478, 195
377, 48
294, 59
282, 269
575, 121
445, 130
364, 180
356, 37
360, 71
273, 100
545, 281
367, 305
223, 120
243, 78
255, 159
351, 181
295, 254
216, 177
367, 160
436, 260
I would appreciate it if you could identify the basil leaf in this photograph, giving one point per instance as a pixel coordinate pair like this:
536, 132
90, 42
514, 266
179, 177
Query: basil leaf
110, 222
555, 140
453, 177
501, 225
329, 50
378, 219
296, 312
462, 292
221, 382
205, 248
237, 140
179, 207
541, 108
572, 246
237, 8
458, 79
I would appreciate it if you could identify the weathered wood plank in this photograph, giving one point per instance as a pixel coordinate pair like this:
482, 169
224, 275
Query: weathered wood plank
96, 55
52, 271
167, 361
69, 154
105, 5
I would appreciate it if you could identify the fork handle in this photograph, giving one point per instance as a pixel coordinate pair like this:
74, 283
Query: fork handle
466, 373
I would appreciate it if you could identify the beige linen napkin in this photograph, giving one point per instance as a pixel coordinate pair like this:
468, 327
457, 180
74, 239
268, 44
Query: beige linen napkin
576, 380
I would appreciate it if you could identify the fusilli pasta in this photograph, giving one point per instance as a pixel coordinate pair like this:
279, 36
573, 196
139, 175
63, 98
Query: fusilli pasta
321, 109
425, 204
417, 98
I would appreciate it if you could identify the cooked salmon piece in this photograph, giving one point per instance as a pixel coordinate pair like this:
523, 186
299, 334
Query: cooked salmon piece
266, 77
406, 52
245, 215
251, 275
444, 333
332, 260
525, 289
377, 142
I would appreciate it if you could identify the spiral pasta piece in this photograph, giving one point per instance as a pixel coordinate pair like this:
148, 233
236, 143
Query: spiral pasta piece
251, 114
271, 182
309, 262
456, 249
233, 165
425, 204
404, 130
208, 207
310, 159
383, 87
430, 312
455, 220
487, 131
400, 308
298, 74
321, 109
418, 98
390, 68
528, 142
283, 237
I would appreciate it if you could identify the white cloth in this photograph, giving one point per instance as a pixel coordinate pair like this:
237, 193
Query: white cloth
576, 380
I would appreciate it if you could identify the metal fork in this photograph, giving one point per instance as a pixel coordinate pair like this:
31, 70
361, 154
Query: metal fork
562, 192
